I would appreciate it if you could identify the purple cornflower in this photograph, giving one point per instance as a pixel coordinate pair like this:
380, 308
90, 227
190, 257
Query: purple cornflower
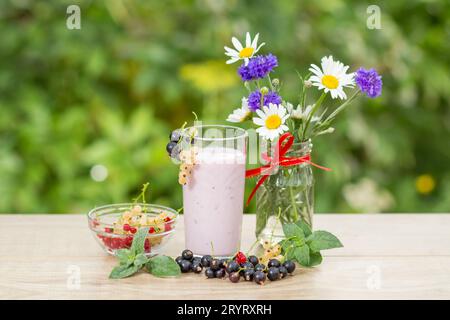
258, 67
254, 99
369, 82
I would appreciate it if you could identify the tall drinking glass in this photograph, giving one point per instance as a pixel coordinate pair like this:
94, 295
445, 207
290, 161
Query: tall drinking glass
214, 194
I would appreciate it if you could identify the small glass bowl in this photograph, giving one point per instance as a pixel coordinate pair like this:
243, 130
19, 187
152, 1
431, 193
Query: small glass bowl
101, 222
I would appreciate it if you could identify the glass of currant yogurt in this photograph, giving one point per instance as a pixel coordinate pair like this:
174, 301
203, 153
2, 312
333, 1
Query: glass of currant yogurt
213, 193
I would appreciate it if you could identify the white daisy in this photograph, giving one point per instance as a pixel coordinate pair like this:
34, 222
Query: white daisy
332, 77
271, 121
298, 113
241, 114
243, 53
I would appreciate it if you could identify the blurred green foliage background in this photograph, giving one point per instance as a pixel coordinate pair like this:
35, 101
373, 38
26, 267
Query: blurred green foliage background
107, 96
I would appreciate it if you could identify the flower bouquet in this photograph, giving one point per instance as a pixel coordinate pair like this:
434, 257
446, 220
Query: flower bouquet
284, 191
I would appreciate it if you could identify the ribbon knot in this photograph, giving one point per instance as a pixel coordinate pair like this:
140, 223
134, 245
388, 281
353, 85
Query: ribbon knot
279, 159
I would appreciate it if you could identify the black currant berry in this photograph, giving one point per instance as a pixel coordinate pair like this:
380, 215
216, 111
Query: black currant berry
283, 271
248, 274
209, 273
234, 277
290, 266
170, 147
232, 266
175, 135
246, 266
214, 265
220, 273
206, 260
273, 274
259, 277
260, 267
178, 259
196, 266
185, 266
274, 263
222, 263
198, 259
253, 259
187, 255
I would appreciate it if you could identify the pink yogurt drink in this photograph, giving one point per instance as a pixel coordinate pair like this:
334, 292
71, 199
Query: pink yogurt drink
213, 202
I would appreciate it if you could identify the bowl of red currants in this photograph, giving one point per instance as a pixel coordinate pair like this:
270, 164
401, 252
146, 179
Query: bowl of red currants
114, 226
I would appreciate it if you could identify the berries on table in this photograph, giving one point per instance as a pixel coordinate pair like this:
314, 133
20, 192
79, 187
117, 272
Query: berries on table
260, 267
209, 273
185, 266
283, 271
187, 255
178, 259
289, 265
206, 260
232, 266
273, 274
259, 277
246, 266
248, 274
253, 259
234, 277
196, 266
223, 263
220, 273
214, 264
274, 263
240, 258
199, 259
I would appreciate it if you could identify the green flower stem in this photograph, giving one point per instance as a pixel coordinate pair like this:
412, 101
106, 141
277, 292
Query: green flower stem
341, 107
315, 108
293, 203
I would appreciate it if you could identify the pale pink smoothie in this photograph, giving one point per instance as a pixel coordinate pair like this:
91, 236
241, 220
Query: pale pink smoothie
213, 202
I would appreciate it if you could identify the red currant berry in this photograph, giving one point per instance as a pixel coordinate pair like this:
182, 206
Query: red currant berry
241, 258
151, 230
133, 230
147, 245
167, 219
167, 227
126, 227
128, 241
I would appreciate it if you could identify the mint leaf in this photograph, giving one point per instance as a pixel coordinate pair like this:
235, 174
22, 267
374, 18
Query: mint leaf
305, 227
293, 230
315, 258
124, 256
123, 271
302, 255
322, 240
163, 266
140, 260
138, 241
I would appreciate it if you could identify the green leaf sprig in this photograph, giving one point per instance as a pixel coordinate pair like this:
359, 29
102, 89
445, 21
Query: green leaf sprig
134, 259
304, 246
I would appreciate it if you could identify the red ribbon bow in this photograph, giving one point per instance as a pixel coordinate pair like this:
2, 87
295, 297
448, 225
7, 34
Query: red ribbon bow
279, 159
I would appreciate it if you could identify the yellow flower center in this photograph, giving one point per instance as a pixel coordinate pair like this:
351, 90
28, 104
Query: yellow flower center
329, 81
246, 52
273, 121
425, 184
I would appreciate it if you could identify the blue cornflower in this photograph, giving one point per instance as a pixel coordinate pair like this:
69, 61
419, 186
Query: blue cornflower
369, 82
254, 99
258, 67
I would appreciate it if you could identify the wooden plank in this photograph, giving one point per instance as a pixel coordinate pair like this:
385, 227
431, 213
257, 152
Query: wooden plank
405, 256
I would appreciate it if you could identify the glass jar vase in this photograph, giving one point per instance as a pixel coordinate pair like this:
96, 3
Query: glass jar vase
285, 196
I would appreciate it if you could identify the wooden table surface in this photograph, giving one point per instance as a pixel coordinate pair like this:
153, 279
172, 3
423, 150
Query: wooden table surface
403, 256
